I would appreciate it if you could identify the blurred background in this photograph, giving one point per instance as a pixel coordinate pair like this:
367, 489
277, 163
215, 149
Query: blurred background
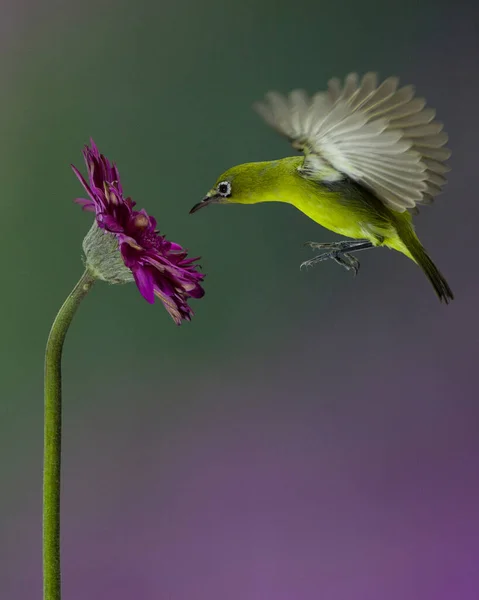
310, 434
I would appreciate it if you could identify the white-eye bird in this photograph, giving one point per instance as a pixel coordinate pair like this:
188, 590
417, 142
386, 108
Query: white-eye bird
372, 154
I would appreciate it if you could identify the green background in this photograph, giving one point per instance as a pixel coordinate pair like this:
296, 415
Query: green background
310, 434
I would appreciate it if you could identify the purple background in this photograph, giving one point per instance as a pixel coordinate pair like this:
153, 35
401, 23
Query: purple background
310, 435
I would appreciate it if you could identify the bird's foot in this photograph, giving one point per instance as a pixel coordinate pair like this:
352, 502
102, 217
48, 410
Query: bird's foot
348, 261
340, 252
340, 246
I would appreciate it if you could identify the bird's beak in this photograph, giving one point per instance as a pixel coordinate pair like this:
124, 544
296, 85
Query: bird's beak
208, 199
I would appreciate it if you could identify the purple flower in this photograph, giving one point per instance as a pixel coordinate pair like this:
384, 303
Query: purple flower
160, 268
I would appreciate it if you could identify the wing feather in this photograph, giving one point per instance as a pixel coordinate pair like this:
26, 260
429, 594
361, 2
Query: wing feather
381, 135
350, 86
334, 89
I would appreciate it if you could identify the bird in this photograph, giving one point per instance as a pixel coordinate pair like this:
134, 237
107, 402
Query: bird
372, 153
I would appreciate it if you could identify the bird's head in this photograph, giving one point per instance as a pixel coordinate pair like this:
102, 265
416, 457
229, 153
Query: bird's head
235, 186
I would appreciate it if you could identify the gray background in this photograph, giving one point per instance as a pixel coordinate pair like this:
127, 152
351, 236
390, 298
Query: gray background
310, 434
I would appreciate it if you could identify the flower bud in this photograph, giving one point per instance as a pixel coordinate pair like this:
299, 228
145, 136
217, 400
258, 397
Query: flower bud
103, 258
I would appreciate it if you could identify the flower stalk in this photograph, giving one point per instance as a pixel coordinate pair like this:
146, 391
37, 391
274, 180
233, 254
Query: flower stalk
52, 438
123, 245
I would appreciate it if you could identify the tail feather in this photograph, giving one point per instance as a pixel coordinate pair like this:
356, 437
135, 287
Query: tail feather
422, 258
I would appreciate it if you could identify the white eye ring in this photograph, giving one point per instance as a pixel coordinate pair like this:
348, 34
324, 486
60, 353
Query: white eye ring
224, 189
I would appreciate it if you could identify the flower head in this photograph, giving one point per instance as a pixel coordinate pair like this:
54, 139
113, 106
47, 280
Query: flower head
160, 268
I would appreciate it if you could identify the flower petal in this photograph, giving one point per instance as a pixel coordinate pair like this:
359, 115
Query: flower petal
111, 223
83, 182
173, 310
145, 282
88, 205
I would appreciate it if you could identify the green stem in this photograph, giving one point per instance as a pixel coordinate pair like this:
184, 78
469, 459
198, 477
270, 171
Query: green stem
52, 438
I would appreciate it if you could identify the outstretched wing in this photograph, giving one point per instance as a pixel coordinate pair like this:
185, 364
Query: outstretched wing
380, 136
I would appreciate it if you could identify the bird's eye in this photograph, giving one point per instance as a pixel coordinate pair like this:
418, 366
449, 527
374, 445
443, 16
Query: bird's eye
224, 189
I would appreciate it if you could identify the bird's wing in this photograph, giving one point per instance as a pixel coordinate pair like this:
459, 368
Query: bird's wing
378, 135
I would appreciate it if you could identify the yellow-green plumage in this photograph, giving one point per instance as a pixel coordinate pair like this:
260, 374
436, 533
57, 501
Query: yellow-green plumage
371, 153
338, 207
344, 207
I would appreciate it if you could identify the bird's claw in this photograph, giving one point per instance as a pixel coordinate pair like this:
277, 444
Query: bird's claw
340, 252
346, 260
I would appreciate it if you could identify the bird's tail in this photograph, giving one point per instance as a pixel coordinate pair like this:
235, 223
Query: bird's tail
421, 257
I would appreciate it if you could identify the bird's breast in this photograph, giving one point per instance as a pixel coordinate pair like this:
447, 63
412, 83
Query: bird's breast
325, 208
338, 210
